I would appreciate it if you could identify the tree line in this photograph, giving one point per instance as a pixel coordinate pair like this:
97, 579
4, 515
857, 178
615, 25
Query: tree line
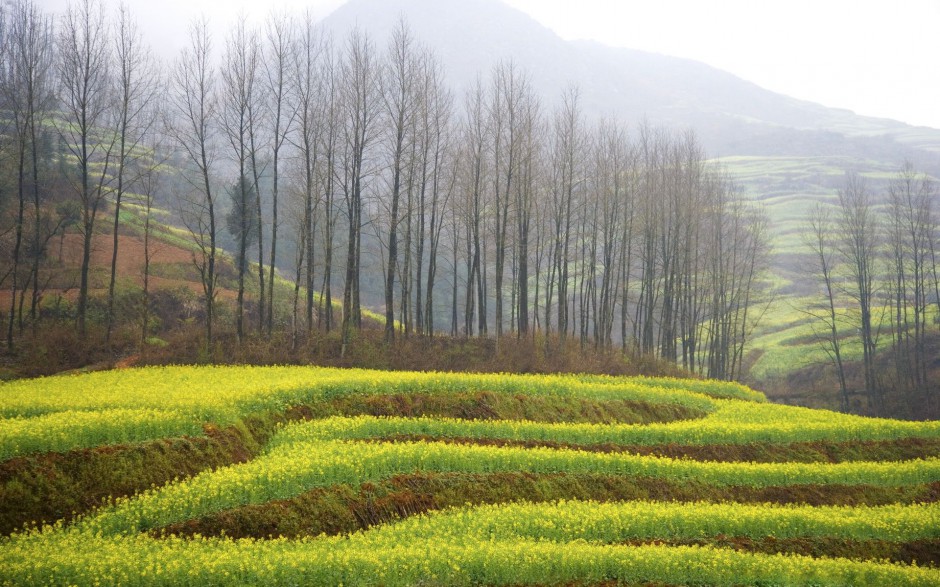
486, 212
876, 262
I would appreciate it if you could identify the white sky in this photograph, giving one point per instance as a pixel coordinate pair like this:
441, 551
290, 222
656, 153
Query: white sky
876, 57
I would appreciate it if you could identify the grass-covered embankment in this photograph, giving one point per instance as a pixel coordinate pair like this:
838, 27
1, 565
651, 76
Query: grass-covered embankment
362, 477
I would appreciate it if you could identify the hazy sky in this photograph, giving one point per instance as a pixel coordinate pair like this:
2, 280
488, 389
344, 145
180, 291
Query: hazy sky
875, 57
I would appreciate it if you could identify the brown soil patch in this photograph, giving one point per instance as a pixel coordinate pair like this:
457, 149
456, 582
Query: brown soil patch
130, 252
130, 266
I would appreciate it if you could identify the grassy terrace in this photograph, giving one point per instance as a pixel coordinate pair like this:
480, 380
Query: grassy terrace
239, 475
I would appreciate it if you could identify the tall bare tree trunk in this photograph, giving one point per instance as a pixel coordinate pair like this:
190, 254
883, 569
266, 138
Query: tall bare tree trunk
194, 101
401, 71
85, 81
137, 81
858, 231
280, 35
360, 94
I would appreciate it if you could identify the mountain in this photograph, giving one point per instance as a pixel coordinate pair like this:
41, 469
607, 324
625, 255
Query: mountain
731, 115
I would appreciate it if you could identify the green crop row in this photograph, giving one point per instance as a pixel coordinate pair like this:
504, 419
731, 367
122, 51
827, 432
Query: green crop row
732, 423
710, 387
183, 398
506, 544
226, 392
290, 469
58, 413
60, 431
644, 520
493, 545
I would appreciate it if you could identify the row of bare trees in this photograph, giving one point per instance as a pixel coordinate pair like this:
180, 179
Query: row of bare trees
876, 259
79, 96
25, 82
486, 213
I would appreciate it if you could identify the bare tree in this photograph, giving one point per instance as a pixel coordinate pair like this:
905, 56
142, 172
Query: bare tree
650, 149
455, 245
475, 133
149, 181
279, 33
311, 82
138, 84
360, 96
332, 115
257, 112
689, 301
239, 92
909, 225
437, 123
680, 176
508, 94
25, 83
562, 221
524, 203
567, 174
755, 246
194, 106
818, 236
610, 163
857, 227
399, 79
85, 82
630, 175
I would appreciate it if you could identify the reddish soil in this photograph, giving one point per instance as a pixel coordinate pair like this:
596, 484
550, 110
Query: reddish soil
130, 253
67, 254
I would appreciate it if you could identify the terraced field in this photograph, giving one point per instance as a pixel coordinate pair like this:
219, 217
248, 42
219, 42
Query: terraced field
313, 476
787, 188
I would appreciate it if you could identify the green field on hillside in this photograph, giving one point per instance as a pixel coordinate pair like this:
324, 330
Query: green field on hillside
321, 476
789, 187
793, 334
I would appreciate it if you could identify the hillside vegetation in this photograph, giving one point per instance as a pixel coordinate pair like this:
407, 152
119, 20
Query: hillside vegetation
264, 475
447, 169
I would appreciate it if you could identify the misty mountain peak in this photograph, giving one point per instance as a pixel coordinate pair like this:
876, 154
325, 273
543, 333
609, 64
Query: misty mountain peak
469, 36
732, 115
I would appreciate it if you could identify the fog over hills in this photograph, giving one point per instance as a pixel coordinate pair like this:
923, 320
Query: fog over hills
732, 116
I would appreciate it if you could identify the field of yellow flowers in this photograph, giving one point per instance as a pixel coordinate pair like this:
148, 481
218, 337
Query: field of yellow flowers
358, 477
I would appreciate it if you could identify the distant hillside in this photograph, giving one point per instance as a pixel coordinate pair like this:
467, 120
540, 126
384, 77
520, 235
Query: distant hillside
731, 115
